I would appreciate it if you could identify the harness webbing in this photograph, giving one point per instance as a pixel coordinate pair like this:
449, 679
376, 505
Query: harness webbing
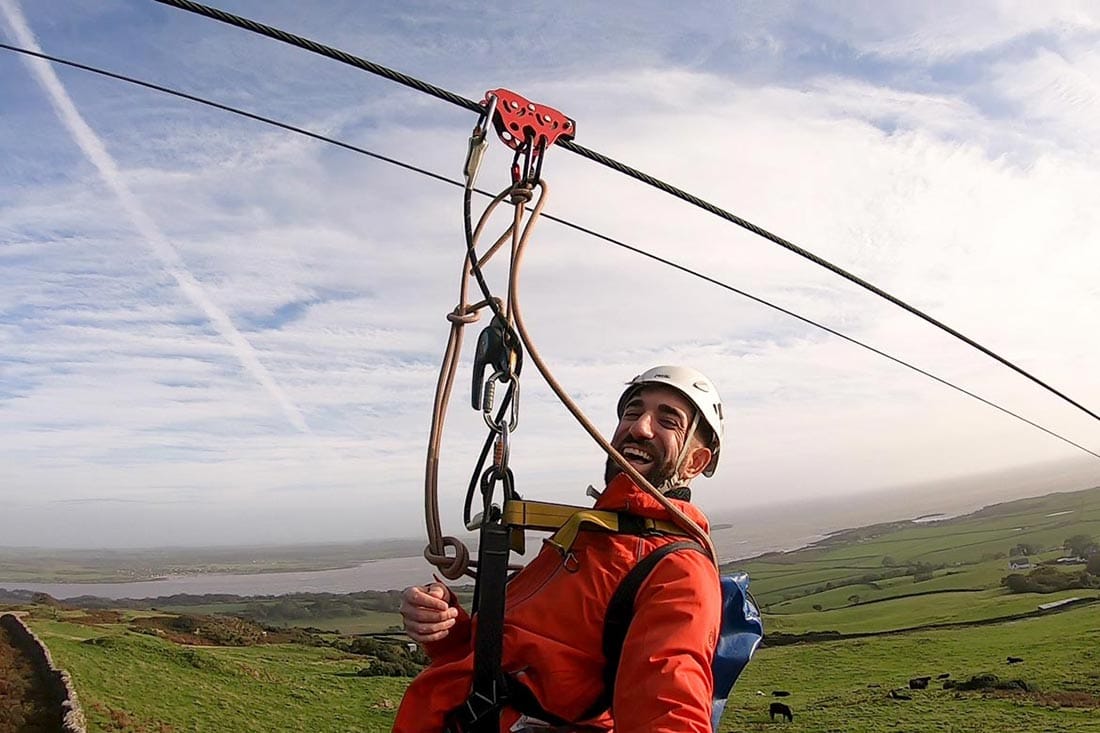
567, 521
488, 691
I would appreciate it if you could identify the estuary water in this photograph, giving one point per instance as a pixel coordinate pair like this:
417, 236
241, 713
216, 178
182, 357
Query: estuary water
393, 573
737, 534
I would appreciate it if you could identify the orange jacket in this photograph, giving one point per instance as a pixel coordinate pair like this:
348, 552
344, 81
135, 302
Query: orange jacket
553, 632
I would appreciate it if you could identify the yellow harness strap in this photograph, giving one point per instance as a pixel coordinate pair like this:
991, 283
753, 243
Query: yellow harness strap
566, 521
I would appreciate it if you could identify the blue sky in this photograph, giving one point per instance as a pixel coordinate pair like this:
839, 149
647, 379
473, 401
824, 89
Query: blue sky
214, 331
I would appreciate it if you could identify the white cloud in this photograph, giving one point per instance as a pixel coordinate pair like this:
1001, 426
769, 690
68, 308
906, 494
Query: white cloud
338, 272
938, 31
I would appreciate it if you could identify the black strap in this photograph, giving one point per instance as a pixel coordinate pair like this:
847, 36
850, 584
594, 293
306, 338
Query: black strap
482, 708
631, 524
620, 612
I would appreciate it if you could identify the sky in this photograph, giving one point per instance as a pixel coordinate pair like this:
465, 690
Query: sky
213, 331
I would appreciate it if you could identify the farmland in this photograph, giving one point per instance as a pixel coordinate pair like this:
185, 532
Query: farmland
885, 604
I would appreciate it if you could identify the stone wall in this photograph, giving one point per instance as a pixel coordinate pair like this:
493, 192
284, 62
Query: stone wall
60, 685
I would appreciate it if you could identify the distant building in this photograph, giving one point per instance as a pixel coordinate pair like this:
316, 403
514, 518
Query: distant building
1019, 564
1071, 561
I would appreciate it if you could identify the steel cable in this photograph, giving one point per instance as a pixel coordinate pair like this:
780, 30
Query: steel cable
564, 222
458, 100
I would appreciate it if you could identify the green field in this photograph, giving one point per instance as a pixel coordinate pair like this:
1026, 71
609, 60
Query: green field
143, 683
844, 685
969, 553
135, 682
930, 574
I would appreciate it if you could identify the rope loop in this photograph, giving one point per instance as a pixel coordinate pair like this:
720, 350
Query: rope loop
450, 567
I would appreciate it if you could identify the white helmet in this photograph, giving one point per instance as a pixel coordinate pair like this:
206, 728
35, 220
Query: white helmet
693, 385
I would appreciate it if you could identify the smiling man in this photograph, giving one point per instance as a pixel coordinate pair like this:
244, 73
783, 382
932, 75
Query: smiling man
554, 657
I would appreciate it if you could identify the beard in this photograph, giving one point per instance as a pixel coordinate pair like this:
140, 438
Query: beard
661, 472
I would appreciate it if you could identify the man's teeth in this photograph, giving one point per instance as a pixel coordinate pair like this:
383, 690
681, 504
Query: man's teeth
636, 454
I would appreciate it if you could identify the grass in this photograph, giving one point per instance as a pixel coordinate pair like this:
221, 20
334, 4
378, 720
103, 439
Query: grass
907, 613
133, 682
843, 685
973, 550
138, 683
366, 622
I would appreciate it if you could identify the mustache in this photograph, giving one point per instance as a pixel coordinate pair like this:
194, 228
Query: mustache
648, 446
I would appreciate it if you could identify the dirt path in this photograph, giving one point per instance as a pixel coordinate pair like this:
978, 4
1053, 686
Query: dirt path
24, 702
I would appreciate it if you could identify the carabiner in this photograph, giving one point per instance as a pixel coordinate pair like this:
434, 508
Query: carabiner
490, 395
479, 141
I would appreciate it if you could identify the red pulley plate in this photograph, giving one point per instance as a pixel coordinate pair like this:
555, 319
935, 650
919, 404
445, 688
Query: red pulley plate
517, 120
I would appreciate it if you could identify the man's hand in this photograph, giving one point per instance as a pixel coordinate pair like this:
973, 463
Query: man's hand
426, 613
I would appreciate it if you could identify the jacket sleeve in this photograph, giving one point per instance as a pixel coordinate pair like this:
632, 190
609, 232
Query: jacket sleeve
455, 644
664, 683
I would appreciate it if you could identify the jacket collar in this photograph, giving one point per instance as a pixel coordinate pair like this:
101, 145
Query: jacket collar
623, 495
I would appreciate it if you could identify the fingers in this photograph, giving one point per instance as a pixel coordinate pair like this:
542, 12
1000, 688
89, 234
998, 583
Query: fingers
426, 614
433, 596
428, 631
427, 626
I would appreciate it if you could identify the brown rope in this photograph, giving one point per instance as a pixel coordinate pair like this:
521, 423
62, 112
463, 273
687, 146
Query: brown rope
458, 564
682, 520
453, 566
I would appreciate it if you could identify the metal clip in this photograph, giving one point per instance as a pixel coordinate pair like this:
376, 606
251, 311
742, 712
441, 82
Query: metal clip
490, 394
479, 519
479, 141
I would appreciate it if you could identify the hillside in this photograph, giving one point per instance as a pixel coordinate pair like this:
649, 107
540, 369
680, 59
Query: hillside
901, 575
910, 599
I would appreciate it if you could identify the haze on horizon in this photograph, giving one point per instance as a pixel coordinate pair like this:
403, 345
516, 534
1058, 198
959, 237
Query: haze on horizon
213, 332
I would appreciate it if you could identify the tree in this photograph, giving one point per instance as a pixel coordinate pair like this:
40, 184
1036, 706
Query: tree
1078, 544
853, 599
1094, 565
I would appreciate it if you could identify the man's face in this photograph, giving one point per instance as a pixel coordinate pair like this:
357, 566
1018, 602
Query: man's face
651, 433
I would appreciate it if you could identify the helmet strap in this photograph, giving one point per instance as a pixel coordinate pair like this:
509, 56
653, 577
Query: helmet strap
675, 481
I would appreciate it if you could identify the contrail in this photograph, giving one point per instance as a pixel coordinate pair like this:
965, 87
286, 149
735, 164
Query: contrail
93, 147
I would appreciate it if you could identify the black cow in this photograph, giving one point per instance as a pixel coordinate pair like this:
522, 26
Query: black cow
943, 676
919, 683
778, 708
1015, 660
780, 693
899, 696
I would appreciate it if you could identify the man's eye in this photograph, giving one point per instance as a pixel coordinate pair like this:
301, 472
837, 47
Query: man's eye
671, 424
632, 414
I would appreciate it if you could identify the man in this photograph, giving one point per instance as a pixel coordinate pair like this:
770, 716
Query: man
670, 430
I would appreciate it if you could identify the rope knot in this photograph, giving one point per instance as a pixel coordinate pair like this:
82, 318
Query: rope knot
459, 315
452, 568
521, 194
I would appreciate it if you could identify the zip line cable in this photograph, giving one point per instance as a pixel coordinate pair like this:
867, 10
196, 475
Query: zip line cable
564, 222
447, 96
